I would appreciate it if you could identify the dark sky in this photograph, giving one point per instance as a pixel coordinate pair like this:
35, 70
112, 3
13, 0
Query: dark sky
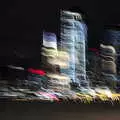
22, 22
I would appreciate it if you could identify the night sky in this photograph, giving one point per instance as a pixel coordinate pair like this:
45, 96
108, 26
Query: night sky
22, 22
